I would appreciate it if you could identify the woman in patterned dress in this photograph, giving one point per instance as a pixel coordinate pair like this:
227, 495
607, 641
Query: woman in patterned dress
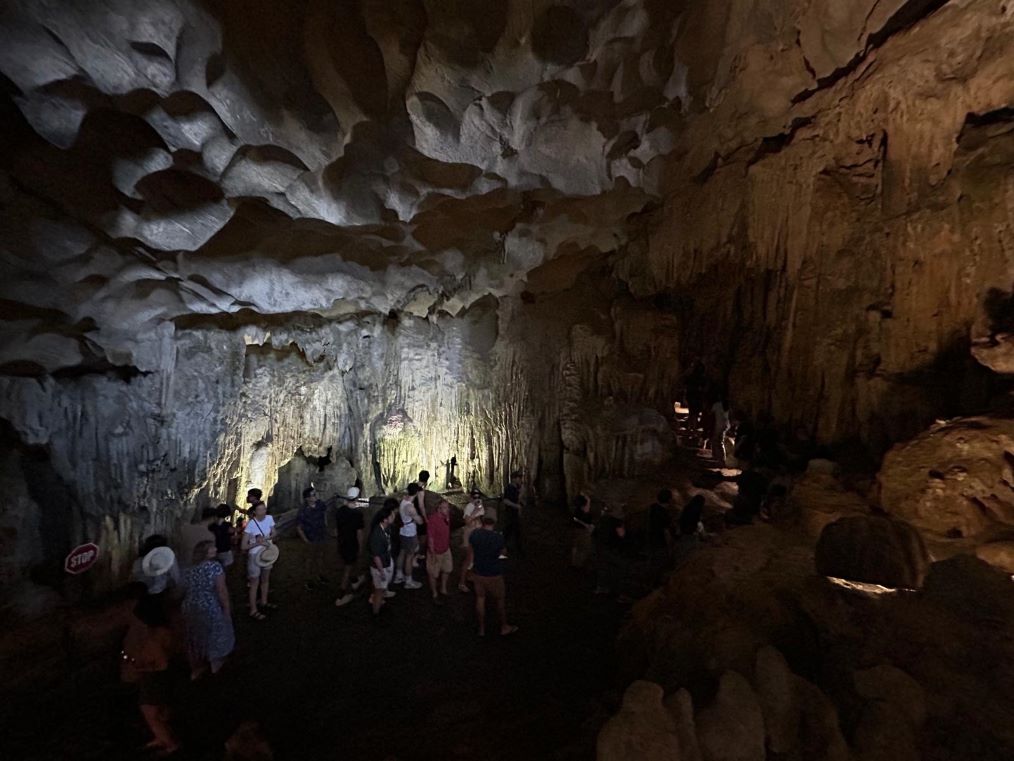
207, 613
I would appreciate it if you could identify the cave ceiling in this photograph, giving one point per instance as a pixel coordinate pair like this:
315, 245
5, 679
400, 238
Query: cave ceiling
174, 160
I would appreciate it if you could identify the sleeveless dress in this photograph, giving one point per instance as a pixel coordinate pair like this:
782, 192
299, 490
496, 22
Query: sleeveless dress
210, 635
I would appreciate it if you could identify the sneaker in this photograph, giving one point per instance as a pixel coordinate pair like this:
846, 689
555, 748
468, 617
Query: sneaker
399, 578
388, 594
358, 583
343, 600
412, 584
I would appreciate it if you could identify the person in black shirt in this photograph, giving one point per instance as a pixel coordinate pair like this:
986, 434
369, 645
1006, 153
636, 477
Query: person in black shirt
513, 505
485, 547
584, 525
223, 535
660, 533
610, 536
381, 564
349, 528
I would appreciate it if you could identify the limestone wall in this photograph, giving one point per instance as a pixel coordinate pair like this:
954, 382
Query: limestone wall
840, 207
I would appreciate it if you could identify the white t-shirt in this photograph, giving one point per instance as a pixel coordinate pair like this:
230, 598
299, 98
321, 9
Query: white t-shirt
408, 517
256, 528
721, 416
474, 510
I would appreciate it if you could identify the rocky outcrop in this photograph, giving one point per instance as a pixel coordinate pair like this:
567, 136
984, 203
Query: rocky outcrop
837, 671
954, 480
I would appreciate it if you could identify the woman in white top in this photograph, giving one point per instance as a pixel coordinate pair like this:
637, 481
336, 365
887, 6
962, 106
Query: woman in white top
259, 532
474, 511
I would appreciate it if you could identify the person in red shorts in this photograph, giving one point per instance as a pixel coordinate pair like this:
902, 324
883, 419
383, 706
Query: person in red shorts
438, 550
484, 548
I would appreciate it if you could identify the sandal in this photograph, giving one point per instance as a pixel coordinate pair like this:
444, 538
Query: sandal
256, 615
509, 632
268, 606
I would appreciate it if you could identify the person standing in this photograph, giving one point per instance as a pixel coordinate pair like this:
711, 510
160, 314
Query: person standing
311, 525
610, 537
660, 533
349, 528
420, 507
207, 614
584, 526
720, 416
410, 522
157, 580
258, 534
222, 532
381, 563
473, 513
438, 550
695, 384
512, 514
144, 660
484, 549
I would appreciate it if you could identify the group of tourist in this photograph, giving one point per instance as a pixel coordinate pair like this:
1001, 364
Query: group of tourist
196, 599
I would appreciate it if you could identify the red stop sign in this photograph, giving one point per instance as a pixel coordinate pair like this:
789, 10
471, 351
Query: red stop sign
81, 558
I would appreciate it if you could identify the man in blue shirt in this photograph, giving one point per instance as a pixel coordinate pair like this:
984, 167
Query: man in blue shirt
484, 549
312, 529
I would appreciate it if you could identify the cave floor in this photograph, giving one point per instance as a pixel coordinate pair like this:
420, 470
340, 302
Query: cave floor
329, 683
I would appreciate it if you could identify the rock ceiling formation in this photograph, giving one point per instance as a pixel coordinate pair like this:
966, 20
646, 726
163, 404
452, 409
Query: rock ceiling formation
174, 159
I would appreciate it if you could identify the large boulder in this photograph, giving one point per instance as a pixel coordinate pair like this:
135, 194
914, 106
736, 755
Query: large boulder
872, 549
954, 479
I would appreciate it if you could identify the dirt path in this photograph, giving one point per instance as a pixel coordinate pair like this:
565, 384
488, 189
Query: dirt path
331, 683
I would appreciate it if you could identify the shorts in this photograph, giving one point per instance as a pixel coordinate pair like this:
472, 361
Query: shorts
225, 558
409, 544
438, 564
489, 585
349, 553
254, 571
381, 577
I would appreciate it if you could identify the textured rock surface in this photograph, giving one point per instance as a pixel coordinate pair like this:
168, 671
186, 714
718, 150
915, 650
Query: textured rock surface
833, 668
954, 480
872, 549
642, 729
732, 728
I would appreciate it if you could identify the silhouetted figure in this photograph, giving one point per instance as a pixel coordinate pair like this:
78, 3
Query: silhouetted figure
513, 506
721, 421
584, 526
695, 385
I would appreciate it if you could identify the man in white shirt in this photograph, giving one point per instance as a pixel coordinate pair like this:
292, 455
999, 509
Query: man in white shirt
410, 521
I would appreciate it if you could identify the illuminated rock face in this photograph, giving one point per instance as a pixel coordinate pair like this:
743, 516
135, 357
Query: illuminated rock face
255, 243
